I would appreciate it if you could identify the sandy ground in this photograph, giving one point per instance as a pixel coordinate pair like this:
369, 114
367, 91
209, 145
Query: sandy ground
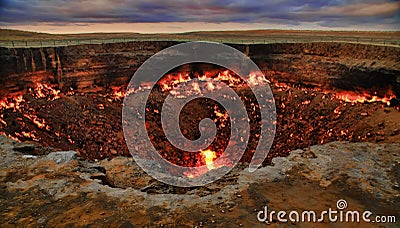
32, 39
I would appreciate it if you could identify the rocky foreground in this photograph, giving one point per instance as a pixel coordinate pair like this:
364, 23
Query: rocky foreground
60, 189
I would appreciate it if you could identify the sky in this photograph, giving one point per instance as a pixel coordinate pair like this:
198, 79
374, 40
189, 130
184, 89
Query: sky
160, 16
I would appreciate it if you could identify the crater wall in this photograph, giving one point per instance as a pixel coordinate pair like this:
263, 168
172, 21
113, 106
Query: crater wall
341, 66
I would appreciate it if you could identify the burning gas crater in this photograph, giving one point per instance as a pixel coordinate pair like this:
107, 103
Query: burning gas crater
90, 123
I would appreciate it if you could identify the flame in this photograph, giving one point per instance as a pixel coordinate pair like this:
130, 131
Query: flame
118, 93
196, 88
2, 120
222, 117
29, 135
210, 86
40, 123
70, 92
228, 77
337, 111
209, 156
44, 91
346, 96
256, 79
14, 103
168, 82
352, 97
10, 136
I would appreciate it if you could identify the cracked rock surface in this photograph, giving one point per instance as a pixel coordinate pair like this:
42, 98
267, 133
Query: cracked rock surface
40, 191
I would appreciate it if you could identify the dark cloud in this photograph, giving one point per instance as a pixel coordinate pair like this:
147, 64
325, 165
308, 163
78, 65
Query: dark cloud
329, 13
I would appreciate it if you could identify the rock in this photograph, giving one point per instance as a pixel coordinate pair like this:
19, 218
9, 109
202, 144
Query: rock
88, 167
25, 147
113, 152
363, 174
62, 156
28, 156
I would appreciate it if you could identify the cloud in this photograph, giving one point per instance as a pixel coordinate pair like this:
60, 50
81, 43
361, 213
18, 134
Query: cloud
329, 13
358, 10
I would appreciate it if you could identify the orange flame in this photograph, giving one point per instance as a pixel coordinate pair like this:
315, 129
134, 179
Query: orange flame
29, 135
118, 93
45, 91
209, 156
13, 103
169, 81
346, 96
351, 97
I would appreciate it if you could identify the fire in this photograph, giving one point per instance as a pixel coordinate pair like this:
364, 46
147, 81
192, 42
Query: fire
352, 97
118, 93
168, 82
14, 103
210, 86
70, 92
10, 136
44, 91
346, 96
40, 123
337, 111
223, 117
171, 80
257, 79
226, 76
29, 135
196, 88
209, 156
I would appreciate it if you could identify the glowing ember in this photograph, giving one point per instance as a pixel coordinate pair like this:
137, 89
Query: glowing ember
170, 81
13, 103
228, 77
363, 98
44, 91
209, 156
40, 123
70, 92
222, 117
118, 93
10, 136
32, 115
349, 97
28, 135
257, 79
